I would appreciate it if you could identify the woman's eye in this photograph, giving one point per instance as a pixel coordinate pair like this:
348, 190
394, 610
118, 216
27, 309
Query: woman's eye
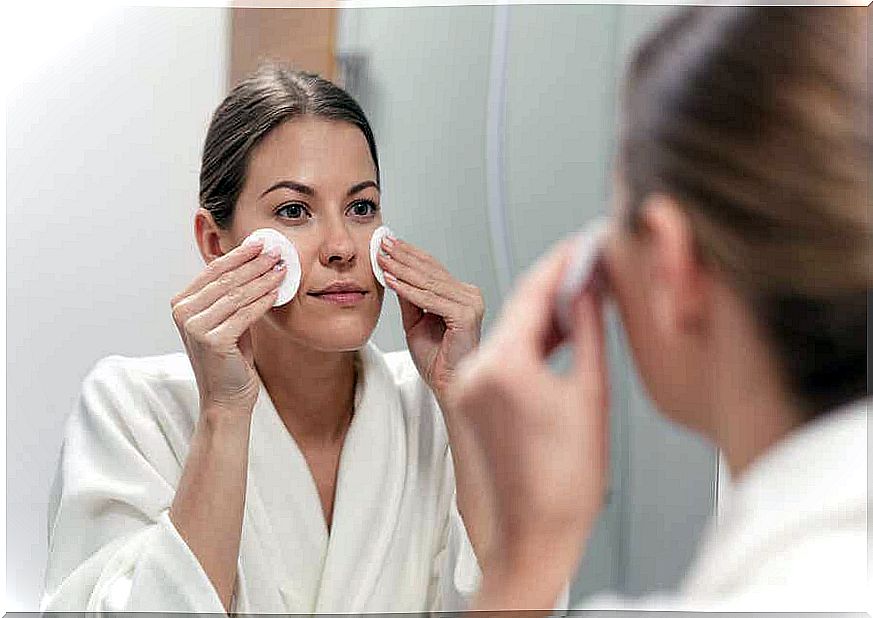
291, 211
364, 208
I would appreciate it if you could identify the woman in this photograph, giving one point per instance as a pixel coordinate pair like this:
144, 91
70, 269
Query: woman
739, 258
285, 464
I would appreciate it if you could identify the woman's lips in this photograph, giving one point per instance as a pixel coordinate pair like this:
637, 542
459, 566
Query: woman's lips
341, 298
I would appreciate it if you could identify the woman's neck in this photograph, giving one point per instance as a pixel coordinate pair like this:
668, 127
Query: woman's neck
751, 409
313, 391
751, 423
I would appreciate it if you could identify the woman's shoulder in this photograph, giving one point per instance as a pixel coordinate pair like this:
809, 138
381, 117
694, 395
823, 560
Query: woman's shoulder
401, 366
158, 386
175, 364
401, 374
418, 403
156, 371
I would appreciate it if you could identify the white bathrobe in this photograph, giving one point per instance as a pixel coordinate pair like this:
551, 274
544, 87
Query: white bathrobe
793, 533
397, 542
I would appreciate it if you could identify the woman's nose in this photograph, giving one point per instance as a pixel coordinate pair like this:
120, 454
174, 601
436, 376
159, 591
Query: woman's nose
338, 247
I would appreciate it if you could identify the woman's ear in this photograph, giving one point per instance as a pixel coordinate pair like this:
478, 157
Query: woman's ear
211, 239
679, 281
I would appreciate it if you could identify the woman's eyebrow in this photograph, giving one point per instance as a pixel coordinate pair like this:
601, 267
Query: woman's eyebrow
306, 190
361, 186
290, 184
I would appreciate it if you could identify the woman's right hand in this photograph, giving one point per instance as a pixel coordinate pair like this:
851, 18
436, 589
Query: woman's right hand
213, 315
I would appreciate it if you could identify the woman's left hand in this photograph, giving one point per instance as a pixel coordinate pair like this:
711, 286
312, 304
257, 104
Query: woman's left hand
442, 317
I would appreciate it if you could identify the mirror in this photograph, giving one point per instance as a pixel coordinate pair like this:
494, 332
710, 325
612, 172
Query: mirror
495, 128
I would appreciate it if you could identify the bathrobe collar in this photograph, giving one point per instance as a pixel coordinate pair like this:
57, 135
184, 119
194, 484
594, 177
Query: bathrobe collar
815, 478
366, 507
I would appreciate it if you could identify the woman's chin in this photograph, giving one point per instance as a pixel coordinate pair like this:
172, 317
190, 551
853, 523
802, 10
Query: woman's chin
339, 336
326, 331
340, 344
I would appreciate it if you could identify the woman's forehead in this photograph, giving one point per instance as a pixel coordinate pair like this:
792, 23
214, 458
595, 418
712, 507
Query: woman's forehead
312, 151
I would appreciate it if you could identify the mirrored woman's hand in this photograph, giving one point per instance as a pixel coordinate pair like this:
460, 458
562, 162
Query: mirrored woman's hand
442, 316
544, 438
213, 315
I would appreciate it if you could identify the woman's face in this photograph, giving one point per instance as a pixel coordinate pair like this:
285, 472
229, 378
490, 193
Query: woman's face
314, 181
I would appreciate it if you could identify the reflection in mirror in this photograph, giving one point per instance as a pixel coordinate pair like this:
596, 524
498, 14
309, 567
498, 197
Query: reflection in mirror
494, 128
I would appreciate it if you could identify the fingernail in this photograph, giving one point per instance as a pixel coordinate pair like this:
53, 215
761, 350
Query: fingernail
388, 240
274, 252
279, 266
390, 277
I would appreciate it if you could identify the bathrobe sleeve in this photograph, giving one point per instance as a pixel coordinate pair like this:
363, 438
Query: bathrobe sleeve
112, 546
455, 572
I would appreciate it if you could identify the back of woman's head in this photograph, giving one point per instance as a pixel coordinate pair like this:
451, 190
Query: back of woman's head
757, 121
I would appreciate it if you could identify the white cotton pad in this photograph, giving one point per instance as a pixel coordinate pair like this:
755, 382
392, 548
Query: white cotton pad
580, 273
375, 248
273, 238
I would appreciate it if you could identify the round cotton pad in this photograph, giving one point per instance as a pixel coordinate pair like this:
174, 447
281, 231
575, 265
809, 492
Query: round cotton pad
375, 247
273, 238
580, 272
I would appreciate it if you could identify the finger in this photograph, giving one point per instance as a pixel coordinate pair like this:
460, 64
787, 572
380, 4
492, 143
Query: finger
436, 279
423, 276
227, 262
589, 346
424, 299
231, 329
230, 303
590, 374
411, 255
228, 283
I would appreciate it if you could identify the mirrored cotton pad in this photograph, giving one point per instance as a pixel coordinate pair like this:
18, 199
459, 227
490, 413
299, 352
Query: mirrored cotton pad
288, 254
375, 248
581, 272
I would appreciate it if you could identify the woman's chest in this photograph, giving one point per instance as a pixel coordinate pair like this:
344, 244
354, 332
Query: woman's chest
386, 496
323, 465
377, 554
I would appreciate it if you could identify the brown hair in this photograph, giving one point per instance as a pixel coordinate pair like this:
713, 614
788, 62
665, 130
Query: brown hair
265, 99
757, 120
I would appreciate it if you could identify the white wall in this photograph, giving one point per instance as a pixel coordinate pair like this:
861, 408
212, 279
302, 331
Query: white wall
103, 149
